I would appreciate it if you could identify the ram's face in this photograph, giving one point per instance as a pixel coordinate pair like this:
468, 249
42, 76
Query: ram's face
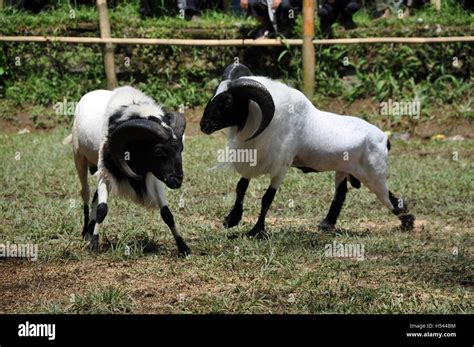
219, 113
168, 164
230, 106
153, 144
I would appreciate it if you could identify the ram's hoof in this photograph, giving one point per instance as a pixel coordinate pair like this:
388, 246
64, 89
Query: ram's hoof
326, 226
257, 233
93, 245
182, 247
233, 218
408, 222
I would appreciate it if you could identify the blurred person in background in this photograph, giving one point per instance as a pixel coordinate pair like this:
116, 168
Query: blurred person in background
190, 8
337, 11
277, 17
36, 6
404, 8
467, 4
384, 8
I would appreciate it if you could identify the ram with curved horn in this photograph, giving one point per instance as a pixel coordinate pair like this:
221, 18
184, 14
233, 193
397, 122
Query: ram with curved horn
135, 148
285, 130
232, 105
234, 71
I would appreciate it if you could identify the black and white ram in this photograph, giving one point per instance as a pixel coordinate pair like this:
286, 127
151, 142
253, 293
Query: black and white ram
286, 130
135, 146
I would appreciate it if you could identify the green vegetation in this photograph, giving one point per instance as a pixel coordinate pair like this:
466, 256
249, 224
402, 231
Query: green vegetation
43, 74
139, 270
101, 300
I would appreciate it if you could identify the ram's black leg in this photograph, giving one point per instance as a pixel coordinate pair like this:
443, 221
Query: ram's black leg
400, 209
235, 214
101, 213
259, 229
329, 222
88, 233
169, 220
86, 220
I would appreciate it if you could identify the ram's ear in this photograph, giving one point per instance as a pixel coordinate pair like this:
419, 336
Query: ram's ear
176, 121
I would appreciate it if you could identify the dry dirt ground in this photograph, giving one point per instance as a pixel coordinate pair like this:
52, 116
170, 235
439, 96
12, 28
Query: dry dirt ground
446, 122
213, 280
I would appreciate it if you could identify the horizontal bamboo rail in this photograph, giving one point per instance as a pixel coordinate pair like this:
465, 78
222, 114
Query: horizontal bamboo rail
233, 42
412, 40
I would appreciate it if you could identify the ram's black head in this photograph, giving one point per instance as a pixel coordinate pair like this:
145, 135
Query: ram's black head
230, 108
141, 145
234, 71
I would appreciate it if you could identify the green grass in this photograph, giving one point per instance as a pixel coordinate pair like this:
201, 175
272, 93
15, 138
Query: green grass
452, 14
48, 73
101, 300
59, 19
138, 269
126, 15
416, 272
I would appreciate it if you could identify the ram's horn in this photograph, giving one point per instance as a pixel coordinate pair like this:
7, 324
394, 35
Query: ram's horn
134, 130
234, 71
176, 121
247, 88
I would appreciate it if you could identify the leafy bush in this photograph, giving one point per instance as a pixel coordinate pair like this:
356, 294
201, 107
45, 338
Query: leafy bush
44, 74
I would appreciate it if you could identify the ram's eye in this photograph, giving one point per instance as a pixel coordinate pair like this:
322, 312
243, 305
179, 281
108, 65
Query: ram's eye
159, 152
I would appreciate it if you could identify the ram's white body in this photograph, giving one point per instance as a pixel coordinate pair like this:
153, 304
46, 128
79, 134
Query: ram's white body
89, 133
90, 123
89, 137
300, 135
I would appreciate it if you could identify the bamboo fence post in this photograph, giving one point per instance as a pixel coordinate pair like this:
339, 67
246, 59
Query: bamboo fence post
437, 4
105, 32
1, 4
308, 48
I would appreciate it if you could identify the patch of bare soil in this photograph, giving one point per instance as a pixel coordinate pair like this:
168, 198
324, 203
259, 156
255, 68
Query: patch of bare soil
149, 281
392, 224
193, 117
458, 126
445, 120
21, 120
342, 107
